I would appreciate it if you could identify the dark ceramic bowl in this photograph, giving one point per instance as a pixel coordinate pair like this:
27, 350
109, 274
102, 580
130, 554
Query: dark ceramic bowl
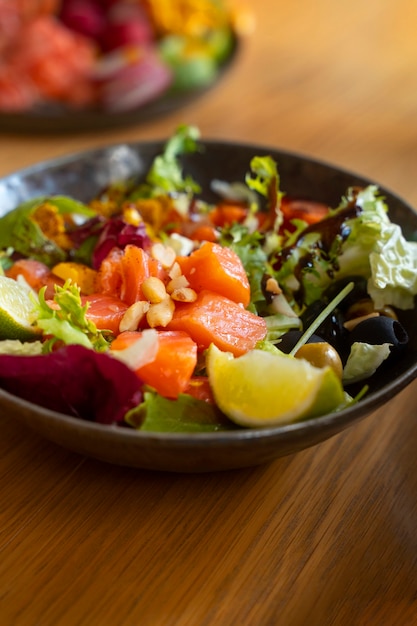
83, 176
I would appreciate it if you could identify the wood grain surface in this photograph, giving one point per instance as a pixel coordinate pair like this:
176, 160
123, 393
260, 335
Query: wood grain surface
325, 537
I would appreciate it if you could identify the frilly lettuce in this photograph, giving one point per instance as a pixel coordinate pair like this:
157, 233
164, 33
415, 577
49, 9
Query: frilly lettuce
380, 246
66, 321
372, 247
265, 180
166, 174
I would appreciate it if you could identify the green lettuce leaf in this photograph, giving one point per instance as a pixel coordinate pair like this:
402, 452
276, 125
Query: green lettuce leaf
248, 247
279, 324
377, 250
23, 234
70, 206
19, 232
186, 414
16, 347
363, 361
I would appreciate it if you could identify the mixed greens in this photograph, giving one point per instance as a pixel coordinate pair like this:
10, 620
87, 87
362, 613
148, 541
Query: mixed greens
295, 272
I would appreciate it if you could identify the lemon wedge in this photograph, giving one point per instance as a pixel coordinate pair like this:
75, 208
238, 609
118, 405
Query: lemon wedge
17, 313
261, 389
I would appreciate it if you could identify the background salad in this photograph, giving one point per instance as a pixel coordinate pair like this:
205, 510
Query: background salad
110, 55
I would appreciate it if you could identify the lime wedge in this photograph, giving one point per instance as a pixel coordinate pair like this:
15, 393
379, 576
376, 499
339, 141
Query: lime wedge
262, 389
17, 313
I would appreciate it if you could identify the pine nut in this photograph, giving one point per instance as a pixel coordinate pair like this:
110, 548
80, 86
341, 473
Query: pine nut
175, 270
184, 294
164, 254
160, 313
177, 283
134, 315
153, 289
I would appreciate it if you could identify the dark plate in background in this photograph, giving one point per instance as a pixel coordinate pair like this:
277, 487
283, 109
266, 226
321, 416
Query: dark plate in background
83, 176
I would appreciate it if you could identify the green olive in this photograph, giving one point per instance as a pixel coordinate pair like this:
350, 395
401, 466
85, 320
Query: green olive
365, 307
321, 354
388, 311
360, 308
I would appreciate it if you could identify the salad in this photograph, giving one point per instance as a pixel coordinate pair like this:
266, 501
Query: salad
151, 308
109, 55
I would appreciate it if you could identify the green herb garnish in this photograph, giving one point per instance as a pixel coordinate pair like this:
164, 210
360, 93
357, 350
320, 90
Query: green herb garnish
66, 320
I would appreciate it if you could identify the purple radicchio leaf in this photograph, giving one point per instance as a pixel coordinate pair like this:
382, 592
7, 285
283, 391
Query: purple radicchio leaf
117, 233
133, 84
90, 228
75, 381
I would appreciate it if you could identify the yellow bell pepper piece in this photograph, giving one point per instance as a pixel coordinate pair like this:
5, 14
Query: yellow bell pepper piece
80, 274
52, 224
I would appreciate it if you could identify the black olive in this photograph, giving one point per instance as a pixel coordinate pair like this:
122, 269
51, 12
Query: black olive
331, 329
288, 341
378, 330
358, 292
311, 312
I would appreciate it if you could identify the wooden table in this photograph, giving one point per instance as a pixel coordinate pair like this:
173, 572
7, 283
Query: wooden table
327, 536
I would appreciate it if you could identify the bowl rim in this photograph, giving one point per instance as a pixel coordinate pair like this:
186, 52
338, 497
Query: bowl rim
342, 419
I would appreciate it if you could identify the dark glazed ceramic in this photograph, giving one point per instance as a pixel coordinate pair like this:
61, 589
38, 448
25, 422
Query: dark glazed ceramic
82, 176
